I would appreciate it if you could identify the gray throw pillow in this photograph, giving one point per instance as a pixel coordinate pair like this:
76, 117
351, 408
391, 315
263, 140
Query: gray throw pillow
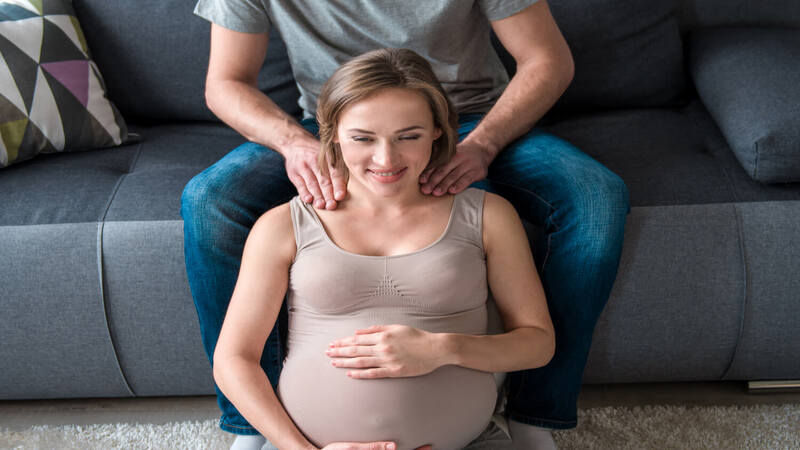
749, 80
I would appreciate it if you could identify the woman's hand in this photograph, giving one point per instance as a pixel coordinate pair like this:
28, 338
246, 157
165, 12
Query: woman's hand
366, 446
387, 351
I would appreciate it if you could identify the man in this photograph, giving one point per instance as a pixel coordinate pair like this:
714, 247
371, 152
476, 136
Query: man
581, 205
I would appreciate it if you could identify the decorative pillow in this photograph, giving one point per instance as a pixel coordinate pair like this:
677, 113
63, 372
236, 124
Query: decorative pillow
52, 97
748, 78
628, 53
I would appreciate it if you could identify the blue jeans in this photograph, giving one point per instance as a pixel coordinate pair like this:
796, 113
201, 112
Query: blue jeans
580, 205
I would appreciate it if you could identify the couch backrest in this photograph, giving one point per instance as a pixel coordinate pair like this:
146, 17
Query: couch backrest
153, 55
714, 13
628, 53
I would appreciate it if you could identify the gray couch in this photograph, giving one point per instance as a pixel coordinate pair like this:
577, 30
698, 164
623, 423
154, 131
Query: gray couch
694, 104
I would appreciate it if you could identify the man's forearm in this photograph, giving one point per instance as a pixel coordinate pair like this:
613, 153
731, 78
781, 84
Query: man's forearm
254, 115
519, 349
532, 91
246, 385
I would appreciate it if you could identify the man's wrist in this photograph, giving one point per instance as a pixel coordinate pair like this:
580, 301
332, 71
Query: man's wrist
289, 135
487, 145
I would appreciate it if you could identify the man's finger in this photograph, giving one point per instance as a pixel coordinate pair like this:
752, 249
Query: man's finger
435, 178
447, 181
461, 183
339, 185
325, 188
313, 187
300, 183
425, 174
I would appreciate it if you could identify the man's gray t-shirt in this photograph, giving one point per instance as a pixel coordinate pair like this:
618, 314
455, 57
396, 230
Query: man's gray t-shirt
453, 35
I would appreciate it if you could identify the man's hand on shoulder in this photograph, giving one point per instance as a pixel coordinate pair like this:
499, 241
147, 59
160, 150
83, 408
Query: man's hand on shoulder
469, 164
312, 185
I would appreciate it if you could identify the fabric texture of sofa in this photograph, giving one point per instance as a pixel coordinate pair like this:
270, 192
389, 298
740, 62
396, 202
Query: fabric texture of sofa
693, 103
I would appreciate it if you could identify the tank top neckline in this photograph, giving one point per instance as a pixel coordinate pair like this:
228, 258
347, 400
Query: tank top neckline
402, 255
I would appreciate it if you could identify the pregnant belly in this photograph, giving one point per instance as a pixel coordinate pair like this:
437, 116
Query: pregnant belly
447, 408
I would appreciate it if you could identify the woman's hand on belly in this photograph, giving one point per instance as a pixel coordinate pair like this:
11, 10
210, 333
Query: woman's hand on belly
366, 446
387, 351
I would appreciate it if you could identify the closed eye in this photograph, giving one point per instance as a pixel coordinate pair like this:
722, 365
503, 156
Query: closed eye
411, 137
361, 139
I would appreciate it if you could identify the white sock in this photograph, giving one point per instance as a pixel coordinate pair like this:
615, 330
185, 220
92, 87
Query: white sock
248, 442
530, 437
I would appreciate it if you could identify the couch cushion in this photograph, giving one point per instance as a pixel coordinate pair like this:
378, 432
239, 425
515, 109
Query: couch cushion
55, 340
154, 55
138, 182
627, 53
52, 96
748, 78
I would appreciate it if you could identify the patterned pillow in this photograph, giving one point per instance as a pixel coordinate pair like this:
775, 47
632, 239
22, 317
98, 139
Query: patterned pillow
52, 97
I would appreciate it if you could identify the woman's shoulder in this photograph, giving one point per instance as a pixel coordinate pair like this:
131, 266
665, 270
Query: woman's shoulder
494, 205
499, 218
275, 228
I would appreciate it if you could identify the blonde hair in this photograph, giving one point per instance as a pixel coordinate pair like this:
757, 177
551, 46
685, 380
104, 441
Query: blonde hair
370, 72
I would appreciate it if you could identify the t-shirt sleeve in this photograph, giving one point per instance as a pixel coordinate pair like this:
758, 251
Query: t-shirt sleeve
500, 9
246, 16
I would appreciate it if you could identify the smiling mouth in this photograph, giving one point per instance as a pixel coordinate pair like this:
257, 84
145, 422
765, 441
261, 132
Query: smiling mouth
387, 174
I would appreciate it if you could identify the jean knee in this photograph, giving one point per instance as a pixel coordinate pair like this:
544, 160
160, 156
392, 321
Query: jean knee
600, 215
194, 194
616, 191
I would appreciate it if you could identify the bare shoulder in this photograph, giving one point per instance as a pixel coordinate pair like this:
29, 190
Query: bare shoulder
274, 231
500, 220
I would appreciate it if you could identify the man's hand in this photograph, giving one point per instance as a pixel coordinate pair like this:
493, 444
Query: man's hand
311, 184
469, 164
387, 351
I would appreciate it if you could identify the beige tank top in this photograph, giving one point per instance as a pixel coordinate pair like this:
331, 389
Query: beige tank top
332, 293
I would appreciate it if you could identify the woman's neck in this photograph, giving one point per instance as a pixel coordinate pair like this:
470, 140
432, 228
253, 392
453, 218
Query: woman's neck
377, 205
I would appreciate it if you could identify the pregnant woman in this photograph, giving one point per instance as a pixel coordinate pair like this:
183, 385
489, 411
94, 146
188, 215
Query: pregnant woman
387, 293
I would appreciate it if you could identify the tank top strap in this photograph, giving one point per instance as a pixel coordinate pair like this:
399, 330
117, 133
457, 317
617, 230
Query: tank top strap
467, 221
307, 229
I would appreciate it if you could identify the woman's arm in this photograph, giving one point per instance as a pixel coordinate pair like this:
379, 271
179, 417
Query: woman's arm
253, 310
514, 282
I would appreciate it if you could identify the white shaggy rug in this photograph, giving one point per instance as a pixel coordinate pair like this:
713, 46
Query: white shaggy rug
649, 427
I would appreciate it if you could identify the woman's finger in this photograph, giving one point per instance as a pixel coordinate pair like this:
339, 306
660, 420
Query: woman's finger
380, 372
359, 363
357, 339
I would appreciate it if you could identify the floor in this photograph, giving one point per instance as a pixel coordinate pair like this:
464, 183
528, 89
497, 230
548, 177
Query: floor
19, 415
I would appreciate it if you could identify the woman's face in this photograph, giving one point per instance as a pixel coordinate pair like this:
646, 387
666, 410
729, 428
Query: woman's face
386, 140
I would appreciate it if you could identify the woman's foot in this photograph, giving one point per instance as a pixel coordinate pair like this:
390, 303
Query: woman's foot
248, 442
530, 437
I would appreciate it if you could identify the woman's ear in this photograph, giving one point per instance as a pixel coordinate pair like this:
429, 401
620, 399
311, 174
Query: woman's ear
437, 133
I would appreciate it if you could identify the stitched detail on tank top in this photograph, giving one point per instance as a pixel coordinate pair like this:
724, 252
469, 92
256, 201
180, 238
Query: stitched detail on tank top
386, 287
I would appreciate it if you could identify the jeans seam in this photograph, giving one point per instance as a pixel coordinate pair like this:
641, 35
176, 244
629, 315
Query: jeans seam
528, 191
550, 216
539, 422
223, 422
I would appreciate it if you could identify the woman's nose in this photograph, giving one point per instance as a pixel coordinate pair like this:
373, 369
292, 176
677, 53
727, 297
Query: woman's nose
384, 154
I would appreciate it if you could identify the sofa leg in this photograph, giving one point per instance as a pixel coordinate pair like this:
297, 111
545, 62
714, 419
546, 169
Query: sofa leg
773, 386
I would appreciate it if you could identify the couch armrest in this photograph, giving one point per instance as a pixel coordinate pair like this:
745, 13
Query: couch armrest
749, 80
